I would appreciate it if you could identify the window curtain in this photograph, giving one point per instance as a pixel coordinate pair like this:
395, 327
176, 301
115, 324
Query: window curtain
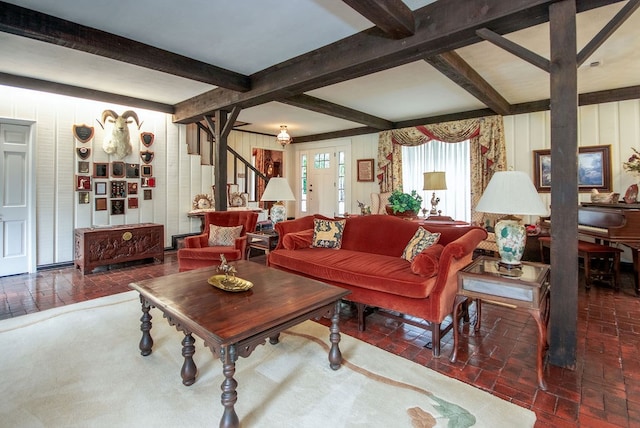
454, 160
488, 153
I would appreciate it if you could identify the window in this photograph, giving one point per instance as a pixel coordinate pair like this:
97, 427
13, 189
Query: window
454, 159
322, 161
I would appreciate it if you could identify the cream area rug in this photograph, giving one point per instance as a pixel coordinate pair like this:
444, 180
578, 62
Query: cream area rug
79, 366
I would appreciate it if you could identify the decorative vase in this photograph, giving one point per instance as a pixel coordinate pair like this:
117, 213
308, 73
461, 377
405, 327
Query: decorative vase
511, 237
389, 210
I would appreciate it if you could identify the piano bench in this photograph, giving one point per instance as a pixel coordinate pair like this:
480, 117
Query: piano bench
609, 258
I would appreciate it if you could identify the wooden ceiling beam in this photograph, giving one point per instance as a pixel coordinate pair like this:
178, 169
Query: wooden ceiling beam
318, 105
79, 92
459, 71
46, 28
514, 48
620, 17
590, 98
391, 16
440, 27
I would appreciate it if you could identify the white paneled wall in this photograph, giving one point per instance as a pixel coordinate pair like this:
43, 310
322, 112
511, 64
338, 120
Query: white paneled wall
179, 176
616, 124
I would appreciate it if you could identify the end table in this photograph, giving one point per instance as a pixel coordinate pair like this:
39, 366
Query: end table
524, 288
265, 240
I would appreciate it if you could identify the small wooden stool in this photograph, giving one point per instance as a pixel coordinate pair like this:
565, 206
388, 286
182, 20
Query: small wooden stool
609, 256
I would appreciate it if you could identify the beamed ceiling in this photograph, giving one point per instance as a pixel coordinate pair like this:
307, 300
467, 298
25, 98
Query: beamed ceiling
324, 68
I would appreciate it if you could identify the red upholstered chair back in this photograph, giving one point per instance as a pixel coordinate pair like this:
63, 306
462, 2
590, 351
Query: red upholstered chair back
248, 219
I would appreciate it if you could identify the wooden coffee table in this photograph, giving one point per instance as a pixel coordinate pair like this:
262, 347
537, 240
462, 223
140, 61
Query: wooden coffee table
233, 324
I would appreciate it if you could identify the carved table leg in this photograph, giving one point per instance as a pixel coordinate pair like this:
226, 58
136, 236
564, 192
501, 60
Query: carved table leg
228, 357
189, 369
542, 347
275, 339
146, 342
335, 356
456, 333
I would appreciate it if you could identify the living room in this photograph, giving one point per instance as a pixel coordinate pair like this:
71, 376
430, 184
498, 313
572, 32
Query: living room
58, 205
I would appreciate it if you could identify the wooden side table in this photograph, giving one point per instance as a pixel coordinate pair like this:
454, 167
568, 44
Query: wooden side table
525, 288
265, 240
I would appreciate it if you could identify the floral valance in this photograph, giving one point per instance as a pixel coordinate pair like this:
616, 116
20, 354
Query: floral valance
488, 153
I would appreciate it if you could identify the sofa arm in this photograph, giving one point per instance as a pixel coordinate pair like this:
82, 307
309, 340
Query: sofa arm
198, 241
293, 226
455, 256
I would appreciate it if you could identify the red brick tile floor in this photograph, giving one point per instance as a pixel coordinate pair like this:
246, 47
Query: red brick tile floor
602, 391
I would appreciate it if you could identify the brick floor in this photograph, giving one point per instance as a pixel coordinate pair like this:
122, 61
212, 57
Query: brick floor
602, 391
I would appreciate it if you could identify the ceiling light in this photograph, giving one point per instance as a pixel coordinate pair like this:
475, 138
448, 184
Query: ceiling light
283, 137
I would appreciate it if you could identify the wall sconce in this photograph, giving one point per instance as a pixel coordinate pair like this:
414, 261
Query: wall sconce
283, 137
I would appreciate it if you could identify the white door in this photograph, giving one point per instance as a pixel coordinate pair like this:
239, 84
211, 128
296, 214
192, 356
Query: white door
14, 210
321, 182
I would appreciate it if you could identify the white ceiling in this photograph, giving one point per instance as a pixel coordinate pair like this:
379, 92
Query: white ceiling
250, 35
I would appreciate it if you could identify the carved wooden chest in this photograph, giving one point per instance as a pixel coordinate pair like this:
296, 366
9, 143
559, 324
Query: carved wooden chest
99, 246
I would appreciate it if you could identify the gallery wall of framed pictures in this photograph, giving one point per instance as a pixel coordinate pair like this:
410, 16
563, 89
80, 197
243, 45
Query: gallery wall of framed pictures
112, 186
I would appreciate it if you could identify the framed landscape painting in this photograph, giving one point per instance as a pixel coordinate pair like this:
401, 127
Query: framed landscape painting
594, 169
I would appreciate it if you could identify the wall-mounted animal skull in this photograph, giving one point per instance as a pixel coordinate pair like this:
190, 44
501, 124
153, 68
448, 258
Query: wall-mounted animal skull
117, 140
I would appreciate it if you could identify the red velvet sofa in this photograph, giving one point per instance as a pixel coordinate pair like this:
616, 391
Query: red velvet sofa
369, 264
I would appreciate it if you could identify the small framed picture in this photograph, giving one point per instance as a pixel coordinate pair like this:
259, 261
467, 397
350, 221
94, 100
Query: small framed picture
101, 204
148, 195
132, 203
83, 167
118, 189
117, 206
365, 169
83, 197
117, 169
132, 187
147, 170
83, 182
148, 182
100, 187
100, 170
133, 170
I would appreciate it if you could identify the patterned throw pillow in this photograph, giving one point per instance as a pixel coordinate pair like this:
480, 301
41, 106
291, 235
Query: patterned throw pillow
223, 236
327, 233
421, 239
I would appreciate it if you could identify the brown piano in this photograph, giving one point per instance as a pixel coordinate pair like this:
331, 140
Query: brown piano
615, 223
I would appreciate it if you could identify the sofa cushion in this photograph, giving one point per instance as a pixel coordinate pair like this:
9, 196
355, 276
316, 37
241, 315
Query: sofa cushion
327, 233
421, 240
389, 274
220, 236
296, 240
426, 263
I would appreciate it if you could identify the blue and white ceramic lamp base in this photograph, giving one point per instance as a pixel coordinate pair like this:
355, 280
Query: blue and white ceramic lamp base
511, 238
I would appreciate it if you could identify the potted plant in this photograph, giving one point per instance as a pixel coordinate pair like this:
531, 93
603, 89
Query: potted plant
404, 204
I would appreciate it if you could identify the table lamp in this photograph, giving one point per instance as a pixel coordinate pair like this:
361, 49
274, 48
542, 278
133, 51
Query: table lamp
434, 181
278, 190
511, 192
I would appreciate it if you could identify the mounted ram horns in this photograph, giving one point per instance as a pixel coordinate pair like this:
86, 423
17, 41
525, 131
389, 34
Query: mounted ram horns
117, 140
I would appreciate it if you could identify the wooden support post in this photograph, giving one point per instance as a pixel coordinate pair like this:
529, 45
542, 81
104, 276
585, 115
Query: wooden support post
564, 184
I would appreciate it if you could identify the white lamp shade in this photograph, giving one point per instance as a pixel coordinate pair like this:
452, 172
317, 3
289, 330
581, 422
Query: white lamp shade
277, 190
435, 180
511, 192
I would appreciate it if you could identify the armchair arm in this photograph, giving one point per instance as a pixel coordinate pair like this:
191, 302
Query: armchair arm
198, 241
241, 245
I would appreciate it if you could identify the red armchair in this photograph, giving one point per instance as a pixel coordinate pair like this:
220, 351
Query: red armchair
197, 253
